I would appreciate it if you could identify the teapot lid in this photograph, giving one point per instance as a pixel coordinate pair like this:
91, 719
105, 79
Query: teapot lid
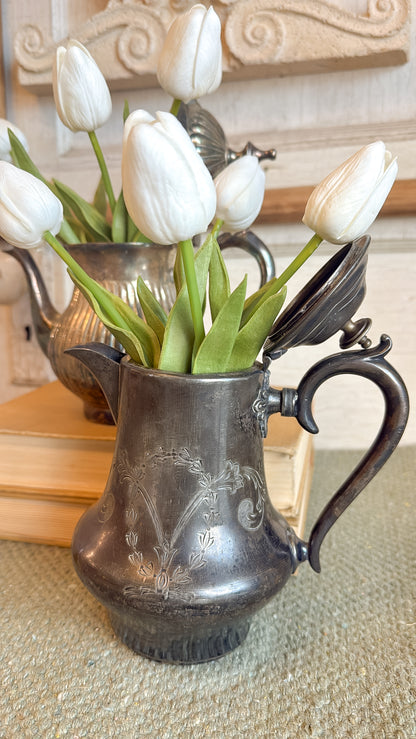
326, 304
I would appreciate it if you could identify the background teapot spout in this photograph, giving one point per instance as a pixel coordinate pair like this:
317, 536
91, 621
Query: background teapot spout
44, 315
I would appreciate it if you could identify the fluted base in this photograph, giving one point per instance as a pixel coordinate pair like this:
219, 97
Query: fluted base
191, 648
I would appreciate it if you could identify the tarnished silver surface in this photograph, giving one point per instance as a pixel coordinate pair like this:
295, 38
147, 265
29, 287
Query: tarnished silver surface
184, 545
116, 267
209, 139
326, 304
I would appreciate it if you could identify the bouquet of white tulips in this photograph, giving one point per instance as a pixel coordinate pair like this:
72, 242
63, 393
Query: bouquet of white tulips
168, 197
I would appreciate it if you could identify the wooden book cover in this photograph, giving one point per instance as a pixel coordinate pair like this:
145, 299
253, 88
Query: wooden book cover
54, 464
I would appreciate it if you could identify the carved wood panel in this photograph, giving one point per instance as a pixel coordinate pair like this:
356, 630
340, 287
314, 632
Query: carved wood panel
261, 38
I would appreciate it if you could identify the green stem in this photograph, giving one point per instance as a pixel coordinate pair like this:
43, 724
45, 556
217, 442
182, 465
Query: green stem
187, 252
174, 110
99, 292
104, 171
293, 267
217, 227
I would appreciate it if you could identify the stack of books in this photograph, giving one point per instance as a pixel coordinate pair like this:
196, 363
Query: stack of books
54, 464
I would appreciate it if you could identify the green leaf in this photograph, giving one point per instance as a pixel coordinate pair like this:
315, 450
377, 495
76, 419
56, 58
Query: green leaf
100, 198
119, 226
68, 235
252, 336
88, 216
126, 110
177, 347
260, 296
219, 282
131, 229
215, 350
152, 310
22, 159
138, 339
77, 229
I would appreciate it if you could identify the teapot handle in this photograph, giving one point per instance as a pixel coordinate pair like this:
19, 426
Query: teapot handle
370, 363
249, 242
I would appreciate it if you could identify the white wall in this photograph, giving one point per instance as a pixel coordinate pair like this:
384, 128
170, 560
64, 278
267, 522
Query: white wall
314, 121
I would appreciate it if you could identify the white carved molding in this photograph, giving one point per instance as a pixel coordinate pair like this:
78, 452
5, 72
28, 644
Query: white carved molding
261, 38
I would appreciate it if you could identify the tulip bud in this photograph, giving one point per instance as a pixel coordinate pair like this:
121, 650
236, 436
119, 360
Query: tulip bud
168, 191
345, 204
240, 193
82, 97
28, 207
5, 154
190, 63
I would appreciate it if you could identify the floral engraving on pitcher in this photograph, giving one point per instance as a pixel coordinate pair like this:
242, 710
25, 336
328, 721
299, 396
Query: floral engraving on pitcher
107, 507
163, 574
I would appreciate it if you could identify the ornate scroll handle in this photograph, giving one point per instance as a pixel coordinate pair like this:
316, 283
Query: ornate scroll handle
369, 363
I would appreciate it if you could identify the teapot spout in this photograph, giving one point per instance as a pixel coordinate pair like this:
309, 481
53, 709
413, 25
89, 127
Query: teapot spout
103, 361
44, 315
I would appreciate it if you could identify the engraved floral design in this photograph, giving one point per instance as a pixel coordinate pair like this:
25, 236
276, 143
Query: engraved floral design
163, 574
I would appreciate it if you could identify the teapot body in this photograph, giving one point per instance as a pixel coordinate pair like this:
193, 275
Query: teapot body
116, 267
185, 545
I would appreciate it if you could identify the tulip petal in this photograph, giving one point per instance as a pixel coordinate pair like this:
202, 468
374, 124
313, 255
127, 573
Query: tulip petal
207, 72
81, 94
169, 193
335, 203
190, 63
240, 193
371, 208
28, 208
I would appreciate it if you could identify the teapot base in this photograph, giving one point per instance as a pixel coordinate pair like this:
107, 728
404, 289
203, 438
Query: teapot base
183, 649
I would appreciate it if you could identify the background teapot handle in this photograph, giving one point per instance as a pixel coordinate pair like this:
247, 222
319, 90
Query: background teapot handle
369, 363
249, 242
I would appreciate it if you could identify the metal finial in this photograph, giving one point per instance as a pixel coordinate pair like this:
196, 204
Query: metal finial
209, 139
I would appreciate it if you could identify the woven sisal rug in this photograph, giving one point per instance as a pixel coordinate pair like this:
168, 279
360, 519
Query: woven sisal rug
333, 656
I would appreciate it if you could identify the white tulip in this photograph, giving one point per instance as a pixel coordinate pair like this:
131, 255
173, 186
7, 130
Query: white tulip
168, 191
82, 97
28, 207
240, 193
5, 154
345, 204
190, 63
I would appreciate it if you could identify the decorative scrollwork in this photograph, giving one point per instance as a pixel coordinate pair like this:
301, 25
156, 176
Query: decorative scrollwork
127, 36
164, 575
257, 37
139, 44
32, 51
382, 8
258, 24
